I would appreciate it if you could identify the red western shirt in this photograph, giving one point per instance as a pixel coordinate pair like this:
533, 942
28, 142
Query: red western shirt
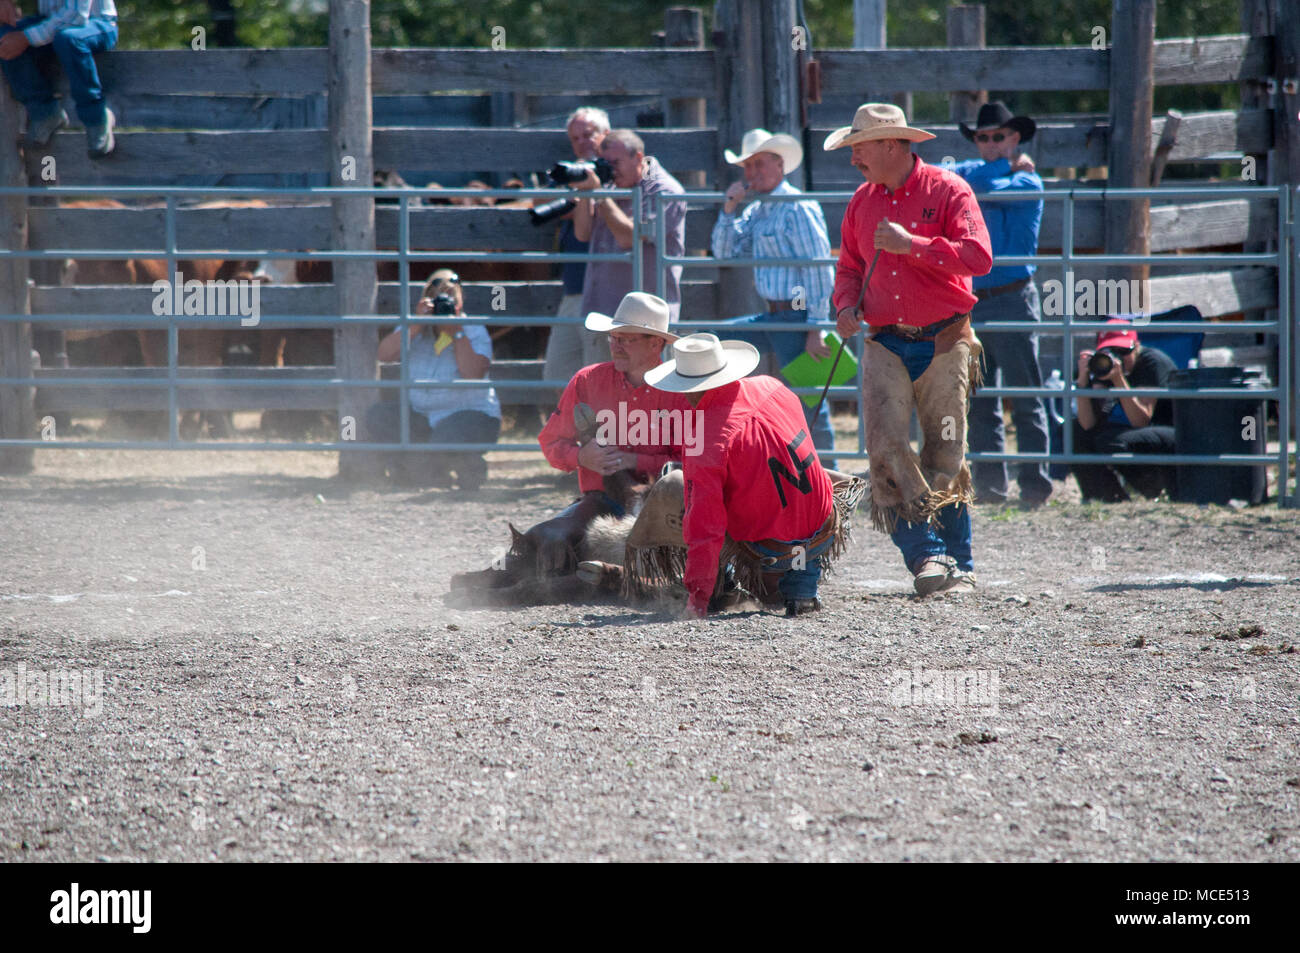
933, 280
756, 476
629, 412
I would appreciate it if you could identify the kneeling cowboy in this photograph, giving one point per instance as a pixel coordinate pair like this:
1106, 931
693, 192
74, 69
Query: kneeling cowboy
755, 491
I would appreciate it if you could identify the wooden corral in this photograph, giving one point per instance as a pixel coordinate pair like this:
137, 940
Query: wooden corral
177, 108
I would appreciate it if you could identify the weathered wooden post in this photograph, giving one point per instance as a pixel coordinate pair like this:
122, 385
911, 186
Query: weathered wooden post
1132, 81
684, 30
16, 417
966, 29
870, 33
737, 37
780, 68
353, 219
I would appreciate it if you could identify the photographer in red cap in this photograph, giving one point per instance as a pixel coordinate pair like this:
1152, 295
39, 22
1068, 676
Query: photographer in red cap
1122, 424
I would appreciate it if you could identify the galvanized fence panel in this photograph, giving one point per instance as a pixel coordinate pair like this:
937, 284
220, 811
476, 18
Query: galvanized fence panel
1068, 327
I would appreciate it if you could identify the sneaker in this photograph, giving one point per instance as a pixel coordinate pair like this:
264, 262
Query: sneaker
798, 607
99, 139
40, 133
933, 575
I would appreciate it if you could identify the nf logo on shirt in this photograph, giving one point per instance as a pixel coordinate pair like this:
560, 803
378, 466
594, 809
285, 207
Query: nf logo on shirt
928, 214
103, 906
779, 471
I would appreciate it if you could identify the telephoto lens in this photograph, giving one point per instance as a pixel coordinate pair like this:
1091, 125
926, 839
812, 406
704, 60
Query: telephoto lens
551, 210
1099, 366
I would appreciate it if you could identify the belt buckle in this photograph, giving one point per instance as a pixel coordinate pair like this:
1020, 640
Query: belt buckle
909, 332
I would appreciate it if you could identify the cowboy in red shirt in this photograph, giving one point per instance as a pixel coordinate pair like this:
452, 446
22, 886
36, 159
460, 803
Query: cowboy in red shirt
929, 239
629, 432
756, 481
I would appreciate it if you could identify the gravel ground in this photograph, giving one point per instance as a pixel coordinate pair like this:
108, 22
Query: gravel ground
280, 680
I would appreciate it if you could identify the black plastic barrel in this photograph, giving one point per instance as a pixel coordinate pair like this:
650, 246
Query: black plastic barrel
1219, 425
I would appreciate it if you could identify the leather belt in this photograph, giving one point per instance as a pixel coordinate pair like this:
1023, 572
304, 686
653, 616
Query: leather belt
910, 332
779, 305
983, 293
787, 549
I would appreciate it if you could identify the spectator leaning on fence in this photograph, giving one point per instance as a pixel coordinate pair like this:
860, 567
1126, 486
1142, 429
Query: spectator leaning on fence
1007, 293
440, 352
607, 224
1120, 424
73, 31
923, 227
571, 346
792, 293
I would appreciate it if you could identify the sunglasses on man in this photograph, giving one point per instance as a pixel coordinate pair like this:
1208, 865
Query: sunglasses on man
987, 137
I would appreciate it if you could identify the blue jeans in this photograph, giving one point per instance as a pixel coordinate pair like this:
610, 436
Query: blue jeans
917, 541
797, 583
1010, 360
786, 346
75, 49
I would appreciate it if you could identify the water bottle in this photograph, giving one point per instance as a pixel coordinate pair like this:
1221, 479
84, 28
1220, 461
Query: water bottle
1056, 425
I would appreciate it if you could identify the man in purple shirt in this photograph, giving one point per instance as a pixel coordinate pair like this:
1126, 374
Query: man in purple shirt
607, 224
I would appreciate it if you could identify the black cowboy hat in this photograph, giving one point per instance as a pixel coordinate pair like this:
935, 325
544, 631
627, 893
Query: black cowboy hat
996, 115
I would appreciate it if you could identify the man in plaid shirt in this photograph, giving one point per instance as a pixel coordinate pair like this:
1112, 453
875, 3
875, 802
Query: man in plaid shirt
73, 31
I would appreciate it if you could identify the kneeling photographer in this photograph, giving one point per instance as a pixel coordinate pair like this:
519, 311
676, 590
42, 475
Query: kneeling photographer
1121, 424
441, 352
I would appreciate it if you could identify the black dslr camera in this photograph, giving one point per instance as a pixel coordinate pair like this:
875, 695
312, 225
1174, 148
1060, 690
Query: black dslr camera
1101, 364
444, 304
567, 173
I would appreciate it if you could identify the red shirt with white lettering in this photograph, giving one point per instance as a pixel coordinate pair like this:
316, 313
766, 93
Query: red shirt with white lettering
932, 281
756, 477
604, 388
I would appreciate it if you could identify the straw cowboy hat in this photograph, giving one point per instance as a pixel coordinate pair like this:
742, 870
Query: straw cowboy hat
760, 140
702, 362
875, 121
996, 115
637, 311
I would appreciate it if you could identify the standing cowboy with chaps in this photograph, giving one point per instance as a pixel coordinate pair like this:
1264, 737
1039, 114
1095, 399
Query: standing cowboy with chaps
929, 239
755, 491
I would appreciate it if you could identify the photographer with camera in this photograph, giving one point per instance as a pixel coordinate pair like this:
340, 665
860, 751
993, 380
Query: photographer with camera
440, 352
1119, 423
607, 224
571, 346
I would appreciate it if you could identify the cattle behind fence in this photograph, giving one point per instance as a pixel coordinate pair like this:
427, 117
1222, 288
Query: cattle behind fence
733, 81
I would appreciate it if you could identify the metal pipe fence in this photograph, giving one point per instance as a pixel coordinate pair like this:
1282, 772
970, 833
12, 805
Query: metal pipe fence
1068, 328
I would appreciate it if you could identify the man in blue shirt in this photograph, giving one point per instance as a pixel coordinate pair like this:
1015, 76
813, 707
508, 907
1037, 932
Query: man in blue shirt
792, 293
1007, 293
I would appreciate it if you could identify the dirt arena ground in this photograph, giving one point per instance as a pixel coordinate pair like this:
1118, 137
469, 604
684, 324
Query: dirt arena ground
280, 680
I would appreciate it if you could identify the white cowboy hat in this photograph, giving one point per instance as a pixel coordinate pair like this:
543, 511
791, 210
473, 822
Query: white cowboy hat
875, 121
702, 362
760, 140
637, 311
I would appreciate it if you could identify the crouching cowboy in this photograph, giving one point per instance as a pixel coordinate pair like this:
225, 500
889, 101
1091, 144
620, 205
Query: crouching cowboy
613, 390
756, 496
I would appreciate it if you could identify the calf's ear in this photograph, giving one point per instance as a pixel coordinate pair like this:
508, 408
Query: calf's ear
519, 542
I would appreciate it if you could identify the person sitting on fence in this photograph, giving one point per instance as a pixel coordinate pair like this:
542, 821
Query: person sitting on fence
1119, 424
792, 293
1007, 293
607, 224
440, 352
73, 31
570, 346
628, 425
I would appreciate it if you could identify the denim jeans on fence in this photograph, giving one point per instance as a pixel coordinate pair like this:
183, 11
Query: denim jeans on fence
75, 48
